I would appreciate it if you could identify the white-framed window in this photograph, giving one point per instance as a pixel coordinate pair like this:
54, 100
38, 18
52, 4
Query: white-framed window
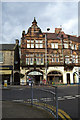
37, 61
57, 59
36, 41
28, 41
65, 45
27, 61
1, 57
41, 55
32, 45
67, 59
37, 54
28, 45
76, 60
27, 55
32, 41
41, 41
75, 47
72, 46
42, 61
54, 45
31, 61
37, 45
53, 59
41, 45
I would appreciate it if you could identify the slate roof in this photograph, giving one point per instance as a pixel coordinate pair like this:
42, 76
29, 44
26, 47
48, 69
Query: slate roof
55, 36
7, 46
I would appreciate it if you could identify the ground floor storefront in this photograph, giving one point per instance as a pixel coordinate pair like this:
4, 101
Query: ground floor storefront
55, 75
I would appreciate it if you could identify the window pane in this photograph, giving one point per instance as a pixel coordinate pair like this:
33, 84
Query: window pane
27, 61
52, 45
32, 41
56, 45
65, 45
37, 60
41, 60
41, 45
53, 59
28, 41
41, 41
37, 46
36, 41
28, 45
32, 45
41, 55
1, 57
57, 59
31, 61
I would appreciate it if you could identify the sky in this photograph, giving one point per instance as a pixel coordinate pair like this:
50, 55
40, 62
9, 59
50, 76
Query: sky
18, 16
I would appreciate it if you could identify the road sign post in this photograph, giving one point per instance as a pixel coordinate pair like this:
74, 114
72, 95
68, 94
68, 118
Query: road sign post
56, 95
31, 93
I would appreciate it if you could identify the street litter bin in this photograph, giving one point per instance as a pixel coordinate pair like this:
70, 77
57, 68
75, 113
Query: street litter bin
5, 83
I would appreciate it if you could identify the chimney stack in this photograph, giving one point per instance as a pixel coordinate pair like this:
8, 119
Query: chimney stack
58, 30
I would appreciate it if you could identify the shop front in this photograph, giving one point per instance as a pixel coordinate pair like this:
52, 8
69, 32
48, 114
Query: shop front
6, 74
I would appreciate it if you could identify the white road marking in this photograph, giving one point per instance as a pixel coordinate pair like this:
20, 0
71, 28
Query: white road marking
67, 96
77, 95
61, 98
46, 99
71, 97
18, 100
21, 89
33, 100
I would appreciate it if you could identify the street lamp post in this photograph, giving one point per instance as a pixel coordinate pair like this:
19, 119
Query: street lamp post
46, 57
46, 54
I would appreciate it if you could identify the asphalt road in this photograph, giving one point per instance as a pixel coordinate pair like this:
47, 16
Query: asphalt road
68, 97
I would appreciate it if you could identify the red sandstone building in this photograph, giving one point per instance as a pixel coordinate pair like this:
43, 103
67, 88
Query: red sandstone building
53, 54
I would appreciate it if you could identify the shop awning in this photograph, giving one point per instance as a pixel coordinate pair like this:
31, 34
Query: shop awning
5, 72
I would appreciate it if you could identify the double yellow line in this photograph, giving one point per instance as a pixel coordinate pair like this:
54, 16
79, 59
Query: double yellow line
63, 115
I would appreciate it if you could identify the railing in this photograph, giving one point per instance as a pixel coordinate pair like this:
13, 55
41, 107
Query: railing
47, 98
40, 95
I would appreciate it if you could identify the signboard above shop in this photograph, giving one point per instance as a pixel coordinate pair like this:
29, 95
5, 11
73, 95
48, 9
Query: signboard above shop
35, 73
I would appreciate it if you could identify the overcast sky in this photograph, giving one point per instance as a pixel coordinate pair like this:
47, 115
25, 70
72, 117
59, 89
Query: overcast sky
18, 16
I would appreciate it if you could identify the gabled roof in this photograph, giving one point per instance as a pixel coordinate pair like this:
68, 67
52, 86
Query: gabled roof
7, 46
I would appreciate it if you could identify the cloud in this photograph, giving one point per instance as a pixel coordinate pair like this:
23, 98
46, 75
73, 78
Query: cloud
18, 16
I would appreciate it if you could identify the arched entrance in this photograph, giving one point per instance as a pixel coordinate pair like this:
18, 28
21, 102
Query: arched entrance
16, 78
55, 77
36, 76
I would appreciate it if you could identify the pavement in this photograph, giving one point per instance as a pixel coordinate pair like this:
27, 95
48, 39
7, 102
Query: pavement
21, 110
